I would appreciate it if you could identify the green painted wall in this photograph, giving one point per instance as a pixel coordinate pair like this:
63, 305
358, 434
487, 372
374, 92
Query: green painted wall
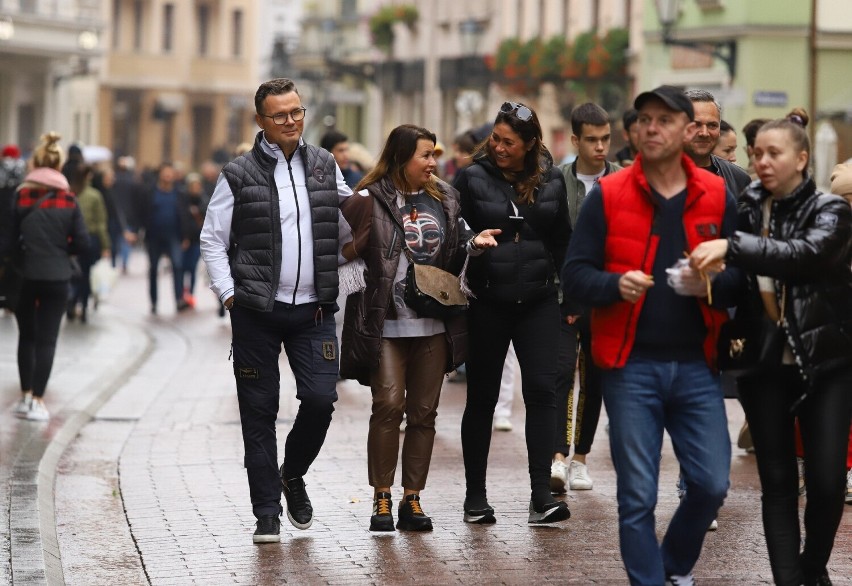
734, 12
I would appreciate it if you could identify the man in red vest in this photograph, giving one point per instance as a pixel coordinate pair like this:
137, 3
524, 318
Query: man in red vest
654, 333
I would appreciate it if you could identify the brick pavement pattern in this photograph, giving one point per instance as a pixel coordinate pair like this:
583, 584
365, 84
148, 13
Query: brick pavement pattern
150, 489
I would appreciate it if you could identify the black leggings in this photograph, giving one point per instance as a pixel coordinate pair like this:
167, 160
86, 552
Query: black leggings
39, 314
533, 328
824, 421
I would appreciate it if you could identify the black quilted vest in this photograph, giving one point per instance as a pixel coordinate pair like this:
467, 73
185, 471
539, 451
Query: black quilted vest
255, 252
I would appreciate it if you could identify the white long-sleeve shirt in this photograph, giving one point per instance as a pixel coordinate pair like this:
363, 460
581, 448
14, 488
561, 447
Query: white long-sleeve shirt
296, 281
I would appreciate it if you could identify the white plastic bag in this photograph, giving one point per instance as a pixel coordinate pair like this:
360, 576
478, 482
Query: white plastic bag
102, 278
687, 281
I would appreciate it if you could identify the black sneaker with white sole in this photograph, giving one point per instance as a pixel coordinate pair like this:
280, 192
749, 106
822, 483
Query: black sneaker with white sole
551, 512
478, 511
268, 530
299, 509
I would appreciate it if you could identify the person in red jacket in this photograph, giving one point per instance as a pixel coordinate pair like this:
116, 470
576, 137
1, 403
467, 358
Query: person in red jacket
654, 333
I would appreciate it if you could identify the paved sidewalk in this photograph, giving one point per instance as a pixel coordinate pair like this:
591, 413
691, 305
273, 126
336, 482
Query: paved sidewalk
152, 489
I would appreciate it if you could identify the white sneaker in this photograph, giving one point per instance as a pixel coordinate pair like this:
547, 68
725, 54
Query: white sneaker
578, 476
849, 487
502, 424
558, 476
23, 406
38, 412
713, 526
674, 580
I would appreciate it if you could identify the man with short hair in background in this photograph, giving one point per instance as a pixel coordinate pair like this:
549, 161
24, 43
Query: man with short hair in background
708, 122
337, 144
625, 155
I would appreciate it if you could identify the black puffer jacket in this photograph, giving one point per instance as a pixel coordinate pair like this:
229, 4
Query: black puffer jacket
256, 239
808, 250
367, 310
523, 266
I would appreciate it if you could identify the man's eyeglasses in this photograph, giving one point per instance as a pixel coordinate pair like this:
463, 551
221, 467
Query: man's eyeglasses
281, 117
521, 112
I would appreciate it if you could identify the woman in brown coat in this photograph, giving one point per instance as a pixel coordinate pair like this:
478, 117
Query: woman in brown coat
402, 214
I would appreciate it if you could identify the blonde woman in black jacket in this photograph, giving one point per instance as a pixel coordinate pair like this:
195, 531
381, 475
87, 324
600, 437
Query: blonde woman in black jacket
47, 227
795, 244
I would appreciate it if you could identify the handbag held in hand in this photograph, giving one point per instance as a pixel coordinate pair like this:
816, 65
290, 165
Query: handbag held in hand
749, 346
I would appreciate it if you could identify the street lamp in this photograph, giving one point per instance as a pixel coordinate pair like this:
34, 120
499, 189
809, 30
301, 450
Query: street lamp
668, 12
470, 31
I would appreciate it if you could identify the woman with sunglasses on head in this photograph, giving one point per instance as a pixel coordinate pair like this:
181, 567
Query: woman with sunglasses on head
513, 185
403, 213
795, 245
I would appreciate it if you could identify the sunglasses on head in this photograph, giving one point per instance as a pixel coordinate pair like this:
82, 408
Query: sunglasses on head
520, 111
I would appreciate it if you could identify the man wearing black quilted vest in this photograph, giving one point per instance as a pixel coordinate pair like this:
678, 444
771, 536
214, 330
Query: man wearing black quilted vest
270, 243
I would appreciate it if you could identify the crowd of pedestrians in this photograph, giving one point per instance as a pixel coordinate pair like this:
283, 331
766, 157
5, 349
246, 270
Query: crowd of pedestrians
623, 273
64, 216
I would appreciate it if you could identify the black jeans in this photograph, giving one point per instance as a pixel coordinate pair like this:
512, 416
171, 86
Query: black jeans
310, 342
824, 421
81, 287
39, 314
159, 245
589, 399
534, 330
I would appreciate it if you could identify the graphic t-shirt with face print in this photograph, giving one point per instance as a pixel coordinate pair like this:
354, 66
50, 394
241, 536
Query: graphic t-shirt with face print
425, 230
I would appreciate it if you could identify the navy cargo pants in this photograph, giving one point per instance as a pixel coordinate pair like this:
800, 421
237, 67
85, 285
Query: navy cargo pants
310, 343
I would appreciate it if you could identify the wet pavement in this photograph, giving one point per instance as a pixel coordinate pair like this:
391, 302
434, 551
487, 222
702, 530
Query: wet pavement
138, 479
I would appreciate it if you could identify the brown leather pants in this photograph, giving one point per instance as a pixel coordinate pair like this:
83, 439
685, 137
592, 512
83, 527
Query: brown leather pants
408, 380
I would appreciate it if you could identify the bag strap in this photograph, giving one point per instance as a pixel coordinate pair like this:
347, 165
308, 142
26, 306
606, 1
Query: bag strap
23, 215
35, 206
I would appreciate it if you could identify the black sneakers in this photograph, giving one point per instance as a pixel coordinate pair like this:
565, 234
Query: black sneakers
268, 530
299, 509
411, 516
550, 513
477, 510
382, 519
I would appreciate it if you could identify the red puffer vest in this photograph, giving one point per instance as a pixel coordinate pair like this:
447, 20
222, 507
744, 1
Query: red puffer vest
631, 244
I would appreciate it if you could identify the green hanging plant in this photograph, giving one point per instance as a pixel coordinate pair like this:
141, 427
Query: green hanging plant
381, 23
616, 42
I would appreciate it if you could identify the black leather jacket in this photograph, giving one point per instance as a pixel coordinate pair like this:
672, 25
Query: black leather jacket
808, 251
366, 311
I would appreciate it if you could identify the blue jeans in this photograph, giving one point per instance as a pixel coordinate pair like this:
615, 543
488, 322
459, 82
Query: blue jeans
643, 399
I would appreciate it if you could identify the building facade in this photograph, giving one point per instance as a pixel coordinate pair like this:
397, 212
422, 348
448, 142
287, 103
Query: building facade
49, 54
178, 79
432, 62
783, 54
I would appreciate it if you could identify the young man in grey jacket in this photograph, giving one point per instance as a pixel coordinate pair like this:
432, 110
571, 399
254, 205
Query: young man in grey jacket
591, 137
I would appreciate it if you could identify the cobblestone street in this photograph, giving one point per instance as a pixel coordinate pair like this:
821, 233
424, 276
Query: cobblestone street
138, 479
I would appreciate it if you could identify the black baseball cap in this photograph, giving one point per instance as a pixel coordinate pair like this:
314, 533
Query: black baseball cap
671, 96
